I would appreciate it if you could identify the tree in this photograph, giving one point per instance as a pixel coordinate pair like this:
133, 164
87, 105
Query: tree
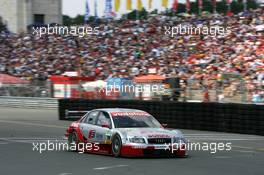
78, 20
137, 14
2, 26
67, 21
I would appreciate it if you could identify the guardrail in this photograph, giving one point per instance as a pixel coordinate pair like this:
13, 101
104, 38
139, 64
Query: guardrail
28, 102
236, 118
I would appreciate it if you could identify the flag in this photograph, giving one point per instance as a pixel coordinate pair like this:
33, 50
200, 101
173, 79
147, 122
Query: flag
150, 4
175, 5
165, 3
117, 5
129, 4
188, 6
87, 11
108, 9
95, 8
200, 4
139, 5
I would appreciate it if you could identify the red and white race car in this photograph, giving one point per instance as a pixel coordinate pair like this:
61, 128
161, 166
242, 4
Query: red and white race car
125, 132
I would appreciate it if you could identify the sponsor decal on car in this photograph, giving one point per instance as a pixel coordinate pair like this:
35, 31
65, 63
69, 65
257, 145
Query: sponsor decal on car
163, 147
115, 114
158, 136
108, 141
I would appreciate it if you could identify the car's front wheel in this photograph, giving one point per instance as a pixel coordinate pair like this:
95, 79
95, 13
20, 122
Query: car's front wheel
116, 145
73, 140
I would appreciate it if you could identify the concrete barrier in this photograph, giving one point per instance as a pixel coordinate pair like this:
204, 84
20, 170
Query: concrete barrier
223, 117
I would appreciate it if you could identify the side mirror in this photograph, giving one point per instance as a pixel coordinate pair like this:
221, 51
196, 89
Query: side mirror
164, 125
105, 126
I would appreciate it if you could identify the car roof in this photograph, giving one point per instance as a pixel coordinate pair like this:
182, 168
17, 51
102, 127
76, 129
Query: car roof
119, 110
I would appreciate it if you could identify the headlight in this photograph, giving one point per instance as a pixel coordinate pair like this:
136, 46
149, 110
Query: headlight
137, 140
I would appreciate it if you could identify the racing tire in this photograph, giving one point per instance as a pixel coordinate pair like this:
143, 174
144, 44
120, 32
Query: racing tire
116, 145
73, 139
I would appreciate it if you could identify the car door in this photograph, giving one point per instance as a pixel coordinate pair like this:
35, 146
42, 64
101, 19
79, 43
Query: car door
104, 124
88, 127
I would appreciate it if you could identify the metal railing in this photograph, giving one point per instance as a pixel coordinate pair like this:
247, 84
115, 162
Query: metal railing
227, 91
29, 102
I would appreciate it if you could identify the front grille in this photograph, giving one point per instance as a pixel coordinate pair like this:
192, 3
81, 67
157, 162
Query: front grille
157, 153
159, 140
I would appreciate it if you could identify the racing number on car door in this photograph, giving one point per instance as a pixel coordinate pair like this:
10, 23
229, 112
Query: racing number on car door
88, 127
91, 134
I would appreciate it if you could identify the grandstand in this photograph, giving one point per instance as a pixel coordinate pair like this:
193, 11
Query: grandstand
130, 48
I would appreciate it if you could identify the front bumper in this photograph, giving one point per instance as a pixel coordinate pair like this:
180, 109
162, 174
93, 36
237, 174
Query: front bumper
130, 150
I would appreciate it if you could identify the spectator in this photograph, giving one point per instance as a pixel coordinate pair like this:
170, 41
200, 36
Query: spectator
129, 48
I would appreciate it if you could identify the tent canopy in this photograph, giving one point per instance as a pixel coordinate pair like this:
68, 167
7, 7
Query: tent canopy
149, 78
92, 86
8, 79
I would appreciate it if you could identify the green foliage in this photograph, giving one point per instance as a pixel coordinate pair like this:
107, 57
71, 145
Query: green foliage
2, 26
67, 21
78, 20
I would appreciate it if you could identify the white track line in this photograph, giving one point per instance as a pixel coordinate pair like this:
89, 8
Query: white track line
244, 151
227, 139
33, 138
110, 167
222, 157
31, 124
242, 147
247, 149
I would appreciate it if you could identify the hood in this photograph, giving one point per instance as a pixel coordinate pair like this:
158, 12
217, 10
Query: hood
148, 132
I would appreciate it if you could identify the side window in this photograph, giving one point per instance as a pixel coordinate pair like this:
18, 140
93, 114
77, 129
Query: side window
104, 119
91, 118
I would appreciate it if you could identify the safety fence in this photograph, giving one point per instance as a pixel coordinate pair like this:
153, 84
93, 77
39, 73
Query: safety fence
236, 118
35, 89
29, 102
231, 89
192, 91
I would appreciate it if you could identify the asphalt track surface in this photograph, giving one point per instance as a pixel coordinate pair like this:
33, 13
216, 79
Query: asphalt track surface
19, 128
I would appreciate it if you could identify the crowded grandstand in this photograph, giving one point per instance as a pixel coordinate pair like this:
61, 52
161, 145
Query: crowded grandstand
130, 48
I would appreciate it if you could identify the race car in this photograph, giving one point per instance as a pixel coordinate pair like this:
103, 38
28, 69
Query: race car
125, 132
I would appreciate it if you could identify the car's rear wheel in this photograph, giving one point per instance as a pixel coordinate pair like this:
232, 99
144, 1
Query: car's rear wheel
73, 140
116, 145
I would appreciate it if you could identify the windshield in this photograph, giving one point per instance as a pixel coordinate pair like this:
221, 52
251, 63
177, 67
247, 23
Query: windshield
135, 122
